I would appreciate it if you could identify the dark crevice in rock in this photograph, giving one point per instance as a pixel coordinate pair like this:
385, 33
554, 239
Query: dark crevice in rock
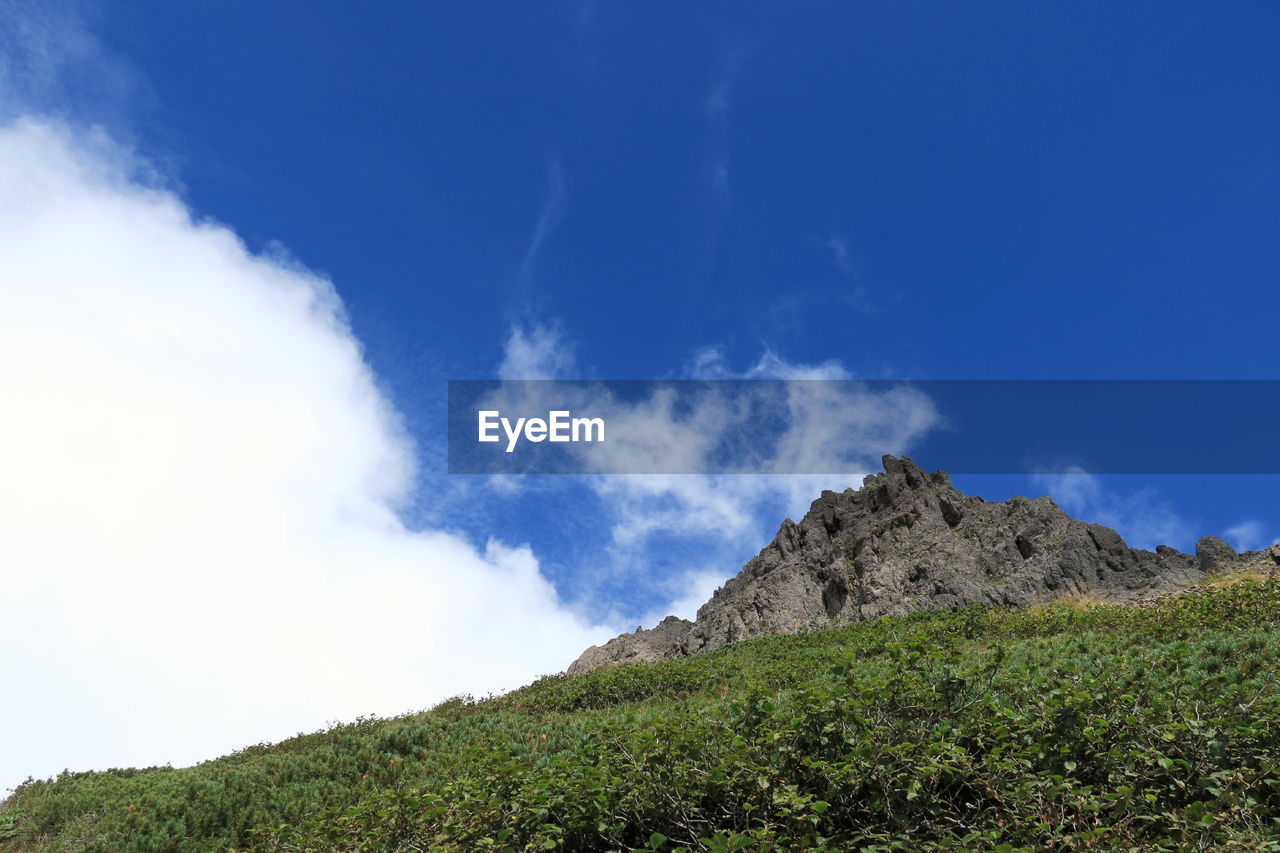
834, 596
951, 514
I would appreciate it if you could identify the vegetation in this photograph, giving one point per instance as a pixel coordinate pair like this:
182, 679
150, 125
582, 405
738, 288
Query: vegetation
1069, 727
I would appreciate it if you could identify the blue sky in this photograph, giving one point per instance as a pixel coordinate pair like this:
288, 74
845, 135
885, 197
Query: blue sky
1013, 190
875, 190
915, 190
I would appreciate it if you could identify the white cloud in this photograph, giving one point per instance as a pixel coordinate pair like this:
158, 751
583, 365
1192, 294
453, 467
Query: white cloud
199, 546
831, 424
832, 427
710, 363
537, 351
1249, 536
835, 431
839, 428
1140, 517
691, 591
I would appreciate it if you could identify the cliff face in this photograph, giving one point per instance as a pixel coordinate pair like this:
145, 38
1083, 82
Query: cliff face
909, 541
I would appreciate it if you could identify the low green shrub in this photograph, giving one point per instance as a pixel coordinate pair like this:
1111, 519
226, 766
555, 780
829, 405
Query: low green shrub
1061, 728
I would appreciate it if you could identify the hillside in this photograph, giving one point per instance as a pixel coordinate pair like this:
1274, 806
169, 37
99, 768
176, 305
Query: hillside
1076, 726
906, 668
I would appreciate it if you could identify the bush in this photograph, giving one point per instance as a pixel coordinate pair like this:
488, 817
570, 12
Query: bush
1054, 728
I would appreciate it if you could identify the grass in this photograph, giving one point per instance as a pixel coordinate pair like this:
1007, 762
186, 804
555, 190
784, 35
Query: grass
1080, 600
1055, 728
1216, 581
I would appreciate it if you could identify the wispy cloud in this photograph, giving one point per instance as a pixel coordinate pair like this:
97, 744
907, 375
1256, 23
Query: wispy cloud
548, 217
537, 351
710, 363
854, 291
1141, 516
839, 247
52, 64
717, 106
1252, 535
689, 591
835, 427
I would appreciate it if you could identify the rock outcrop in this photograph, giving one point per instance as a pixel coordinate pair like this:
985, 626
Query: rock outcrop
639, 647
907, 541
1214, 554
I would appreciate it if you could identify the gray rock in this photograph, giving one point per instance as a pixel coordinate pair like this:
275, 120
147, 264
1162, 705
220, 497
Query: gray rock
1214, 554
910, 541
1265, 562
658, 643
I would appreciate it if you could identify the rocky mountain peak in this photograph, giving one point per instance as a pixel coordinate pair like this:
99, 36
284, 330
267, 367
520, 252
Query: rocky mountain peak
908, 540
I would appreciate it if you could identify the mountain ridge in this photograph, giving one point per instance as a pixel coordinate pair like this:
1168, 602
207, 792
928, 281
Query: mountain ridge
908, 540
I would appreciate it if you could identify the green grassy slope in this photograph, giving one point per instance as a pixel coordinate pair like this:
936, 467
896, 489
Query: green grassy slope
1063, 728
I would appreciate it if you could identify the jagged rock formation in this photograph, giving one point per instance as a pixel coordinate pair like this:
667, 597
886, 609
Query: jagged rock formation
642, 646
909, 541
